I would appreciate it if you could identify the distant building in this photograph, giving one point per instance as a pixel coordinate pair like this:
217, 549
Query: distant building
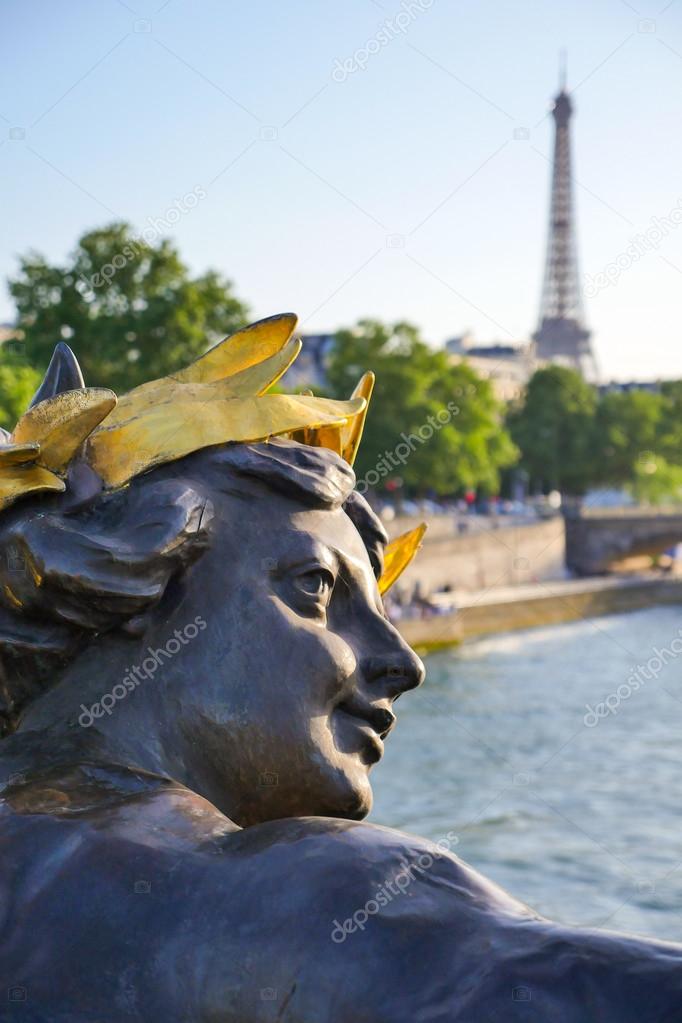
310, 369
507, 366
562, 336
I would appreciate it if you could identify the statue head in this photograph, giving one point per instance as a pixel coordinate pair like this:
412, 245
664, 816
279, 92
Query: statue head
201, 592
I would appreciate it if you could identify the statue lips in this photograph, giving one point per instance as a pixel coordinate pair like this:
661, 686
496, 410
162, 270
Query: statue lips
372, 721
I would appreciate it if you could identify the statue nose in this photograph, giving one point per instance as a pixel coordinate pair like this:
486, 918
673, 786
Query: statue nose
395, 673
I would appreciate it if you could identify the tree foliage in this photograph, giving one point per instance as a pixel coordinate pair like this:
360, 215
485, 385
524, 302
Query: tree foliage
670, 429
131, 310
554, 430
628, 428
655, 480
18, 384
571, 438
435, 425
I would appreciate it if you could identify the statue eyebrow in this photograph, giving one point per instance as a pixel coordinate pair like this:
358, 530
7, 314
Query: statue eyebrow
345, 578
345, 563
315, 550
313, 559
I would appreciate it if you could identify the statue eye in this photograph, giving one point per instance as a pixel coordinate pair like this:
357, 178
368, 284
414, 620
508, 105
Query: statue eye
318, 584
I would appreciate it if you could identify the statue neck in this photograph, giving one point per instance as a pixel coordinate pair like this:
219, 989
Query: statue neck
110, 706
106, 706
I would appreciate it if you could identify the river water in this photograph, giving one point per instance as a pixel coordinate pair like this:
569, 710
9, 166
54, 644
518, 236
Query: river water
582, 823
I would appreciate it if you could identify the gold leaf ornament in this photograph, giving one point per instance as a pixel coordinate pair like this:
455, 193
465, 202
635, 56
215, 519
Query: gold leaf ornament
343, 438
222, 397
199, 416
398, 555
46, 438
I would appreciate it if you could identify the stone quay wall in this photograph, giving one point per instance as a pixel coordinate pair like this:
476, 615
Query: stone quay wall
483, 556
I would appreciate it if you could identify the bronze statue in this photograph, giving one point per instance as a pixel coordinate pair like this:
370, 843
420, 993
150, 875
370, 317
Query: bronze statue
197, 677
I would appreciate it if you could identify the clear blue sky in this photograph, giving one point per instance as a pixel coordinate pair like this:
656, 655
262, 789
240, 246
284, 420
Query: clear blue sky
400, 191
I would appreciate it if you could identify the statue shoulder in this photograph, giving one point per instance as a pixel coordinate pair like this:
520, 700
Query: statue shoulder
110, 803
381, 863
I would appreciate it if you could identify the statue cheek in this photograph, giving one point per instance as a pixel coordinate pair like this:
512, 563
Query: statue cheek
341, 667
320, 663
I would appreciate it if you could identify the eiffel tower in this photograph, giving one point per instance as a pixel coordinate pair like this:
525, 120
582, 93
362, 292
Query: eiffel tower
562, 335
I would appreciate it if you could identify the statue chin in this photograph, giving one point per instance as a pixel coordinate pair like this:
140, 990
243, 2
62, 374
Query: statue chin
354, 802
338, 787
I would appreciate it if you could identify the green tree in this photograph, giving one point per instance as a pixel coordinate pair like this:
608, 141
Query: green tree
435, 425
554, 429
131, 310
670, 426
18, 384
655, 480
628, 431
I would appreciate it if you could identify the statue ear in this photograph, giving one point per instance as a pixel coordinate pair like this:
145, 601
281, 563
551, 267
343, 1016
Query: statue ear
108, 564
63, 374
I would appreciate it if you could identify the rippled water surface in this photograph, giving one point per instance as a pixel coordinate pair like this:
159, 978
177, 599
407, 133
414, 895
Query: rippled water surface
583, 824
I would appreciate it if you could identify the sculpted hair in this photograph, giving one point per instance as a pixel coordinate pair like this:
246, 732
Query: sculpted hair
86, 562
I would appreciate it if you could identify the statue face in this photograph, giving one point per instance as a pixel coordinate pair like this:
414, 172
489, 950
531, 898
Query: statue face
297, 671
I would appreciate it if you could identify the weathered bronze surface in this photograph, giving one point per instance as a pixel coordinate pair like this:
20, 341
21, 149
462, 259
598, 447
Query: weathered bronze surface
197, 679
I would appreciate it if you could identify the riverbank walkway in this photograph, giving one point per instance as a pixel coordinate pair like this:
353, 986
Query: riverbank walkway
526, 606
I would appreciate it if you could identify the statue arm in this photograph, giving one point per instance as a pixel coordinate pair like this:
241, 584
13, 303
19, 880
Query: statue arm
442, 944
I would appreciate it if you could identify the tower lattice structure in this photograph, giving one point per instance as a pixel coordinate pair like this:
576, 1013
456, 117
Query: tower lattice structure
562, 335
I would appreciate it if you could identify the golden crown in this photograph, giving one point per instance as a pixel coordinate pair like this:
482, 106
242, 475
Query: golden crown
222, 396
